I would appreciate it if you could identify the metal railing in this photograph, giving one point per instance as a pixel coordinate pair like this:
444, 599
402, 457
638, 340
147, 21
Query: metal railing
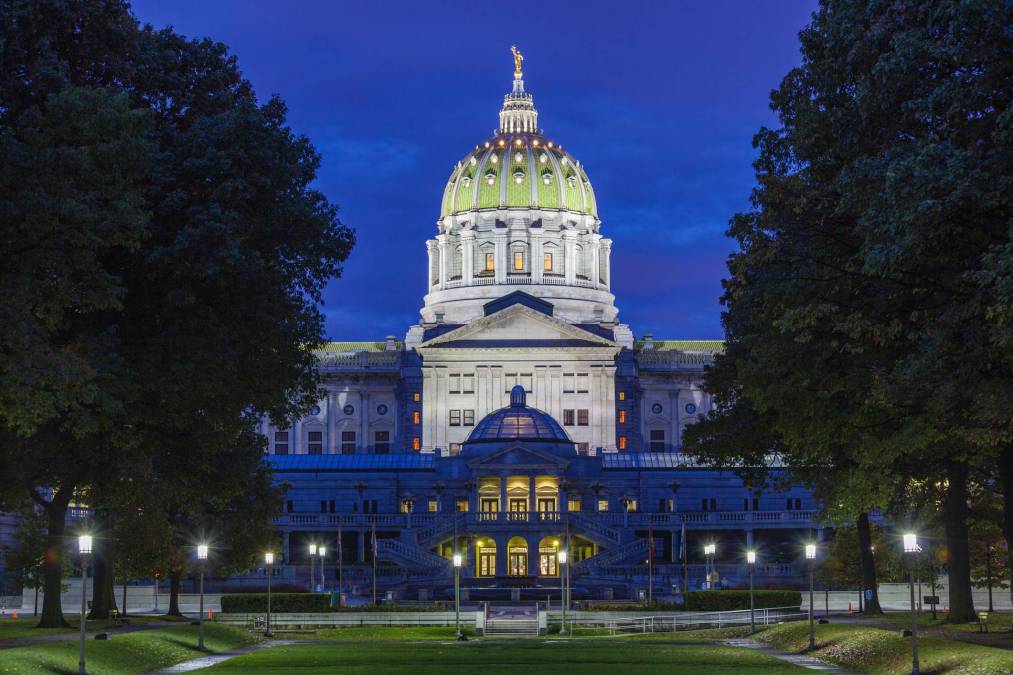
678, 621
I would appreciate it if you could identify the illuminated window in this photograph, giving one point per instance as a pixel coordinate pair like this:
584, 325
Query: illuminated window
573, 505
622, 417
622, 396
603, 505
416, 417
347, 442
281, 442
490, 262
518, 260
622, 442
547, 262
315, 445
631, 505
416, 396
434, 506
416, 443
462, 505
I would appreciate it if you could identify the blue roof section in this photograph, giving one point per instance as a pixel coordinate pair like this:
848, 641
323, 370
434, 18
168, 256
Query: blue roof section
518, 298
401, 462
504, 344
598, 330
647, 460
438, 330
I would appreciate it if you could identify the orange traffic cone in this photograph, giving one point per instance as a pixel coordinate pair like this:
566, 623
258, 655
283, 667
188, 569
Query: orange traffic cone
15, 614
849, 608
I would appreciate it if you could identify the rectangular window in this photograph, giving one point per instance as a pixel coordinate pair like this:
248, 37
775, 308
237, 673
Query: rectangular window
622, 396
381, 442
573, 505
468, 384
662, 505
316, 442
490, 262
434, 506
745, 503
582, 383
756, 503
631, 505
568, 383
416, 417
582, 417
583, 448
547, 262
787, 504
455, 418
568, 418
455, 384
798, 504
288, 506
714, 504
416, 396
657, 440
281, 442
526, 381
416, 443
347, 442
323, 506
519, 260
622, 442
603, 505
462, 505
330, 506
469, 418
622, 417
509, 380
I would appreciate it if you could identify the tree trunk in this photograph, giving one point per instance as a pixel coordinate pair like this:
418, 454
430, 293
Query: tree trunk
52, 567
123, 612
868, 564
174, 594
1006, 485
955, 514
103, 598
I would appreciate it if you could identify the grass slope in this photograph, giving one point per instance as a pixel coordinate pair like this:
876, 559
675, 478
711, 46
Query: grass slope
127, 653
874, 650
508, 656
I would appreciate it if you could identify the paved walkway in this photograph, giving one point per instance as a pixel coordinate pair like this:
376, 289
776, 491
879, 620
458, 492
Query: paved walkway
215, 659
808, 662
72, 635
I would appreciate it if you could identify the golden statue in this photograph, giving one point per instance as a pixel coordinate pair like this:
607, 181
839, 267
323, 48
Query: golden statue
518, 57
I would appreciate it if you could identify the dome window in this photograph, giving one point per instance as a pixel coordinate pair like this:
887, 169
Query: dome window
518, 177
466, 181
571, 181
490, 178
547, 178
493, 158
544, 158
519, 157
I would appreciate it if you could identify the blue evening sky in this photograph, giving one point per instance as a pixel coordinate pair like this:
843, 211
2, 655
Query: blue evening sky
659, 100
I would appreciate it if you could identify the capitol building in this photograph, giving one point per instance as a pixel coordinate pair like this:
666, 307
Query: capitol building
520, 416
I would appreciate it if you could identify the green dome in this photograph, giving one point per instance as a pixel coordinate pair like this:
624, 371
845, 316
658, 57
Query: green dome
518, 170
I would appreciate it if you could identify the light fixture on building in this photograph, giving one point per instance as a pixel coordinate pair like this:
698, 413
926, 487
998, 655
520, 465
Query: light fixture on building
493, 158
519, 157
518, 177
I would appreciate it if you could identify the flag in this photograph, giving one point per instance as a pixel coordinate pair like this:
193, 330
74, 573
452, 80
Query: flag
682, 543
373, 541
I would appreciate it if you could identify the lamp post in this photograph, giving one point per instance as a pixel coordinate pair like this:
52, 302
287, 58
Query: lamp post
911, 547
810, 555
84, 548
457, 594
709, 551
202, 556
313, 558
751, 562
322, 551
269, 560
562, 555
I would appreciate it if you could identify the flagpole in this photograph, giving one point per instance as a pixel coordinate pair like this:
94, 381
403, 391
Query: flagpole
650, 564
685, 566
374, 564
341, 586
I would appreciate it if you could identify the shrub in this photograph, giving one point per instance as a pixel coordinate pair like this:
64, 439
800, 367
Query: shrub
718, 601
280, 602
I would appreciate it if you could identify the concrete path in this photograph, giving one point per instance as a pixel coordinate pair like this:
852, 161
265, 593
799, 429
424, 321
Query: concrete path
808, 662
214, 659
73, 635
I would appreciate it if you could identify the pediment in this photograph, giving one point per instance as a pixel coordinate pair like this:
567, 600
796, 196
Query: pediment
515, 457
518, 325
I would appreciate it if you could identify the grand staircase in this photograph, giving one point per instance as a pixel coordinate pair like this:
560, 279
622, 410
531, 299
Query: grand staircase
612, 556
595, 530
511, 621
440, 530
411, 557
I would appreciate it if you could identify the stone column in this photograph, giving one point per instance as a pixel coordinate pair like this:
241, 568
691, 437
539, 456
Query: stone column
533, 555
503, 496
444, 245
297, 448
467, 257
537, 264
360, 547
332, 423
569, 259
593, 272
364, 440
606, 250
532, 503
284, 547
501, 554
432, 249
749, 538
501, 256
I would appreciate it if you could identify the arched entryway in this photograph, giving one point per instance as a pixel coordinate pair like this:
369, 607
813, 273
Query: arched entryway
485, 557
517, 557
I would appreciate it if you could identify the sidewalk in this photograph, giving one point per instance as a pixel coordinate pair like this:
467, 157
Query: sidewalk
215, 659
808, 662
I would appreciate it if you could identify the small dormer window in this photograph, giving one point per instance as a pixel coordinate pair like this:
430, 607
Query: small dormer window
490, 178
466, 181
571, 181
518, 177
547, 178
519, 157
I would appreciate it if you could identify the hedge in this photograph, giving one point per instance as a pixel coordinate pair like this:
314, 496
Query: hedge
309, 602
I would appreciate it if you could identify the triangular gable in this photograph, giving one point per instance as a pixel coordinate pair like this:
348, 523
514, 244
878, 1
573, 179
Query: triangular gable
516, 456
518, 323
517, 298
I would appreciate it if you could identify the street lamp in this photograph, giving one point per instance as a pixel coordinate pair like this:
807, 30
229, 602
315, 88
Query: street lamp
810, 555
563, 573
457, 594
911, 547
202, 556
322, 551
313, 558
751, 562
269, 560
84, 548
709, 550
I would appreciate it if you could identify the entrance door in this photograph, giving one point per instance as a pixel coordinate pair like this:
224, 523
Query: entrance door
518, 563
547, 564
487, 562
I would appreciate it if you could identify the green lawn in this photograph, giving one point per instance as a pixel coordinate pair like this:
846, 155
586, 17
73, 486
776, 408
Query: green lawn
127, 653
875, 650
25, 626
509, 656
